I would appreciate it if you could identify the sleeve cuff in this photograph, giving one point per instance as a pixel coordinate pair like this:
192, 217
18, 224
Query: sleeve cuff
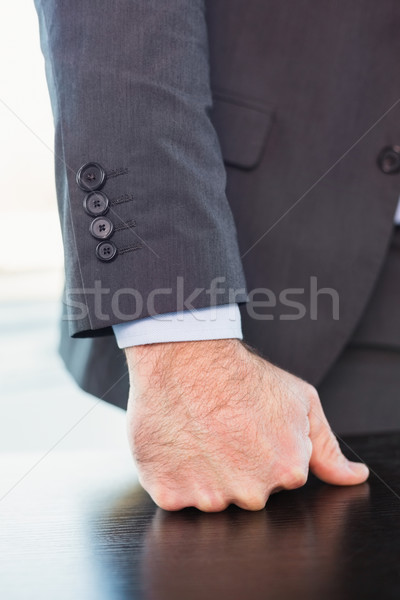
209, 323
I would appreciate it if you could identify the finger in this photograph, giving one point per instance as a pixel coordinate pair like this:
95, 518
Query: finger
327, 460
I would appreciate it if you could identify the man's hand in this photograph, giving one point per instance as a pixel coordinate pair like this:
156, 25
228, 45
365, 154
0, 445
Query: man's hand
211, 423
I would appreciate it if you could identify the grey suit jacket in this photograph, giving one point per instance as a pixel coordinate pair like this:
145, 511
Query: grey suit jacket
233, 135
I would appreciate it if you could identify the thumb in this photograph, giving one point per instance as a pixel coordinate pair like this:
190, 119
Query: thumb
327, 460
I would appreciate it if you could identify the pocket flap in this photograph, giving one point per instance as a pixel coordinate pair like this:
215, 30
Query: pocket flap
243, 128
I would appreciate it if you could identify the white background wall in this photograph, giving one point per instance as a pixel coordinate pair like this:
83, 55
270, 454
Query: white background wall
27, 194
39, 403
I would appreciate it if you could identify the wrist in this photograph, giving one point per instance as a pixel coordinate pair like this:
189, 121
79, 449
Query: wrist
153, 362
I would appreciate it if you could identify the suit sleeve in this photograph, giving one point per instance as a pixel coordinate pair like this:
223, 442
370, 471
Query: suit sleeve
140, 179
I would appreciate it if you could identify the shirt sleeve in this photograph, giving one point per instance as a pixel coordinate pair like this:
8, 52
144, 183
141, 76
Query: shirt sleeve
209, 323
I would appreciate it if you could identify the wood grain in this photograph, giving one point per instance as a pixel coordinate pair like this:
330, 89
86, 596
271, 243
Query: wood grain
78, 526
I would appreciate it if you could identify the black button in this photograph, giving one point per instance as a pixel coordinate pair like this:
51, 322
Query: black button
96, 204
106, 251
101, 228
389, 160
91, 176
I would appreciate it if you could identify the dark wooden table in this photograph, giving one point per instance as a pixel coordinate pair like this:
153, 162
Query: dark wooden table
78, 526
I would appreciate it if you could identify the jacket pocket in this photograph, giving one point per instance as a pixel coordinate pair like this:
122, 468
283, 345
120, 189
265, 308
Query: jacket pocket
243, 127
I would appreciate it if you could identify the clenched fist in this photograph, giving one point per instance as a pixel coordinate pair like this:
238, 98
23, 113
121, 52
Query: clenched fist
211, 423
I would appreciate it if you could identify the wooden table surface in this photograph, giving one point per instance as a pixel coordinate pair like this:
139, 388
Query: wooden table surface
77, 526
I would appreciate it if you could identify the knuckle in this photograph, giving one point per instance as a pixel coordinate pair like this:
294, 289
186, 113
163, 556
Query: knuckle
166, 500
294, 477
211, 503
252, 502
311, 394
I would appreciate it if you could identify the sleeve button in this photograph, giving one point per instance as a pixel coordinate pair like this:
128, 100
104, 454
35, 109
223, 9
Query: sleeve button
91, 176
389, 160
96, 204
101, 228
106, 251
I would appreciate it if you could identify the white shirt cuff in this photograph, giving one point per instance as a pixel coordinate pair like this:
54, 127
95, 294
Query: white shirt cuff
209, 323
397, 214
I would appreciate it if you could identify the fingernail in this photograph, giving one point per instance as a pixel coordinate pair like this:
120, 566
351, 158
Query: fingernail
359, 469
